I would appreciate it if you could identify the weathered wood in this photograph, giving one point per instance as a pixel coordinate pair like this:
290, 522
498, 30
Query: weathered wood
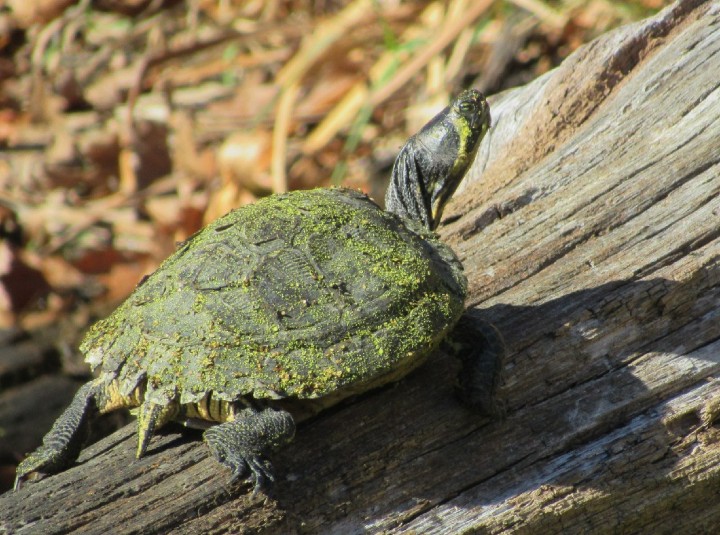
590, 232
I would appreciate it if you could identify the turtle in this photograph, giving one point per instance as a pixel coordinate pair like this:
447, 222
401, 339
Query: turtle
282, 308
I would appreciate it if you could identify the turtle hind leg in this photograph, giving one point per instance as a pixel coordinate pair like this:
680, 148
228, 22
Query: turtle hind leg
62, 444
243, 443
481, 349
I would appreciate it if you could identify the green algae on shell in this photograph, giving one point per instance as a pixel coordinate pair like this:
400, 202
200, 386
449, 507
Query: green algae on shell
304, 295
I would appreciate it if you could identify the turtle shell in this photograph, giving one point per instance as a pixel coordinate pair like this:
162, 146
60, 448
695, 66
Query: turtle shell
301, 295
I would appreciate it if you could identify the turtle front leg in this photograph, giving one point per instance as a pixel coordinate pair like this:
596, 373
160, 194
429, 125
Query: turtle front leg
62, 444
481, 349
243, 443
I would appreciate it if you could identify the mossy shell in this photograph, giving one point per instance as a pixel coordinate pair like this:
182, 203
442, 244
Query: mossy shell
302, 295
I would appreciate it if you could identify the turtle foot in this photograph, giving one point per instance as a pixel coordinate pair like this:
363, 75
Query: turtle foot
62, 444
481, 349
242, 444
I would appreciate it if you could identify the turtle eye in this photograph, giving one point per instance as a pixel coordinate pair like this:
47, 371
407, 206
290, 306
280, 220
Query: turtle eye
467, 106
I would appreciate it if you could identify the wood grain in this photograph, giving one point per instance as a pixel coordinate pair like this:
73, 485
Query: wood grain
590, 233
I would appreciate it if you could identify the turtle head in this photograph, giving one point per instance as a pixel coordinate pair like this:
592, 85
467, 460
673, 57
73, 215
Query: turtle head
433, 162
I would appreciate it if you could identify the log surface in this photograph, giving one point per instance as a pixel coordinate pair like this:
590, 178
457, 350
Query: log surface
590, 231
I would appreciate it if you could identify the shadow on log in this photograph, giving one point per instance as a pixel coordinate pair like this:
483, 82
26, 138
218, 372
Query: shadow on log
590, 232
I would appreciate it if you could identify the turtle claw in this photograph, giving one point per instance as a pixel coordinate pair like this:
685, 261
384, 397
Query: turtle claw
41, 459
242, 465
260, 472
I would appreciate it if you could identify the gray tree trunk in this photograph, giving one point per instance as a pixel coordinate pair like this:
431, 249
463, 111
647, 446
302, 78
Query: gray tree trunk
589, 228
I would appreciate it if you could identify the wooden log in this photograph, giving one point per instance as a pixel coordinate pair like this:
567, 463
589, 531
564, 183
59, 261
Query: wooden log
590, 233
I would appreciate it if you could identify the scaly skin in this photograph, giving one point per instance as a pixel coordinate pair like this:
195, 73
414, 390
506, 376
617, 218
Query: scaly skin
62, 444
433, 162
481, 349
243, 444
285, 307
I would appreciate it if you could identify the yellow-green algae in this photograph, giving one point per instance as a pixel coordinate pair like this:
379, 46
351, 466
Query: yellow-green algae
309, 294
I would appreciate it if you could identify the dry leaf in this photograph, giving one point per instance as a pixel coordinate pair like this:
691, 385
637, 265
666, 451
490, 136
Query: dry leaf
29, 12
